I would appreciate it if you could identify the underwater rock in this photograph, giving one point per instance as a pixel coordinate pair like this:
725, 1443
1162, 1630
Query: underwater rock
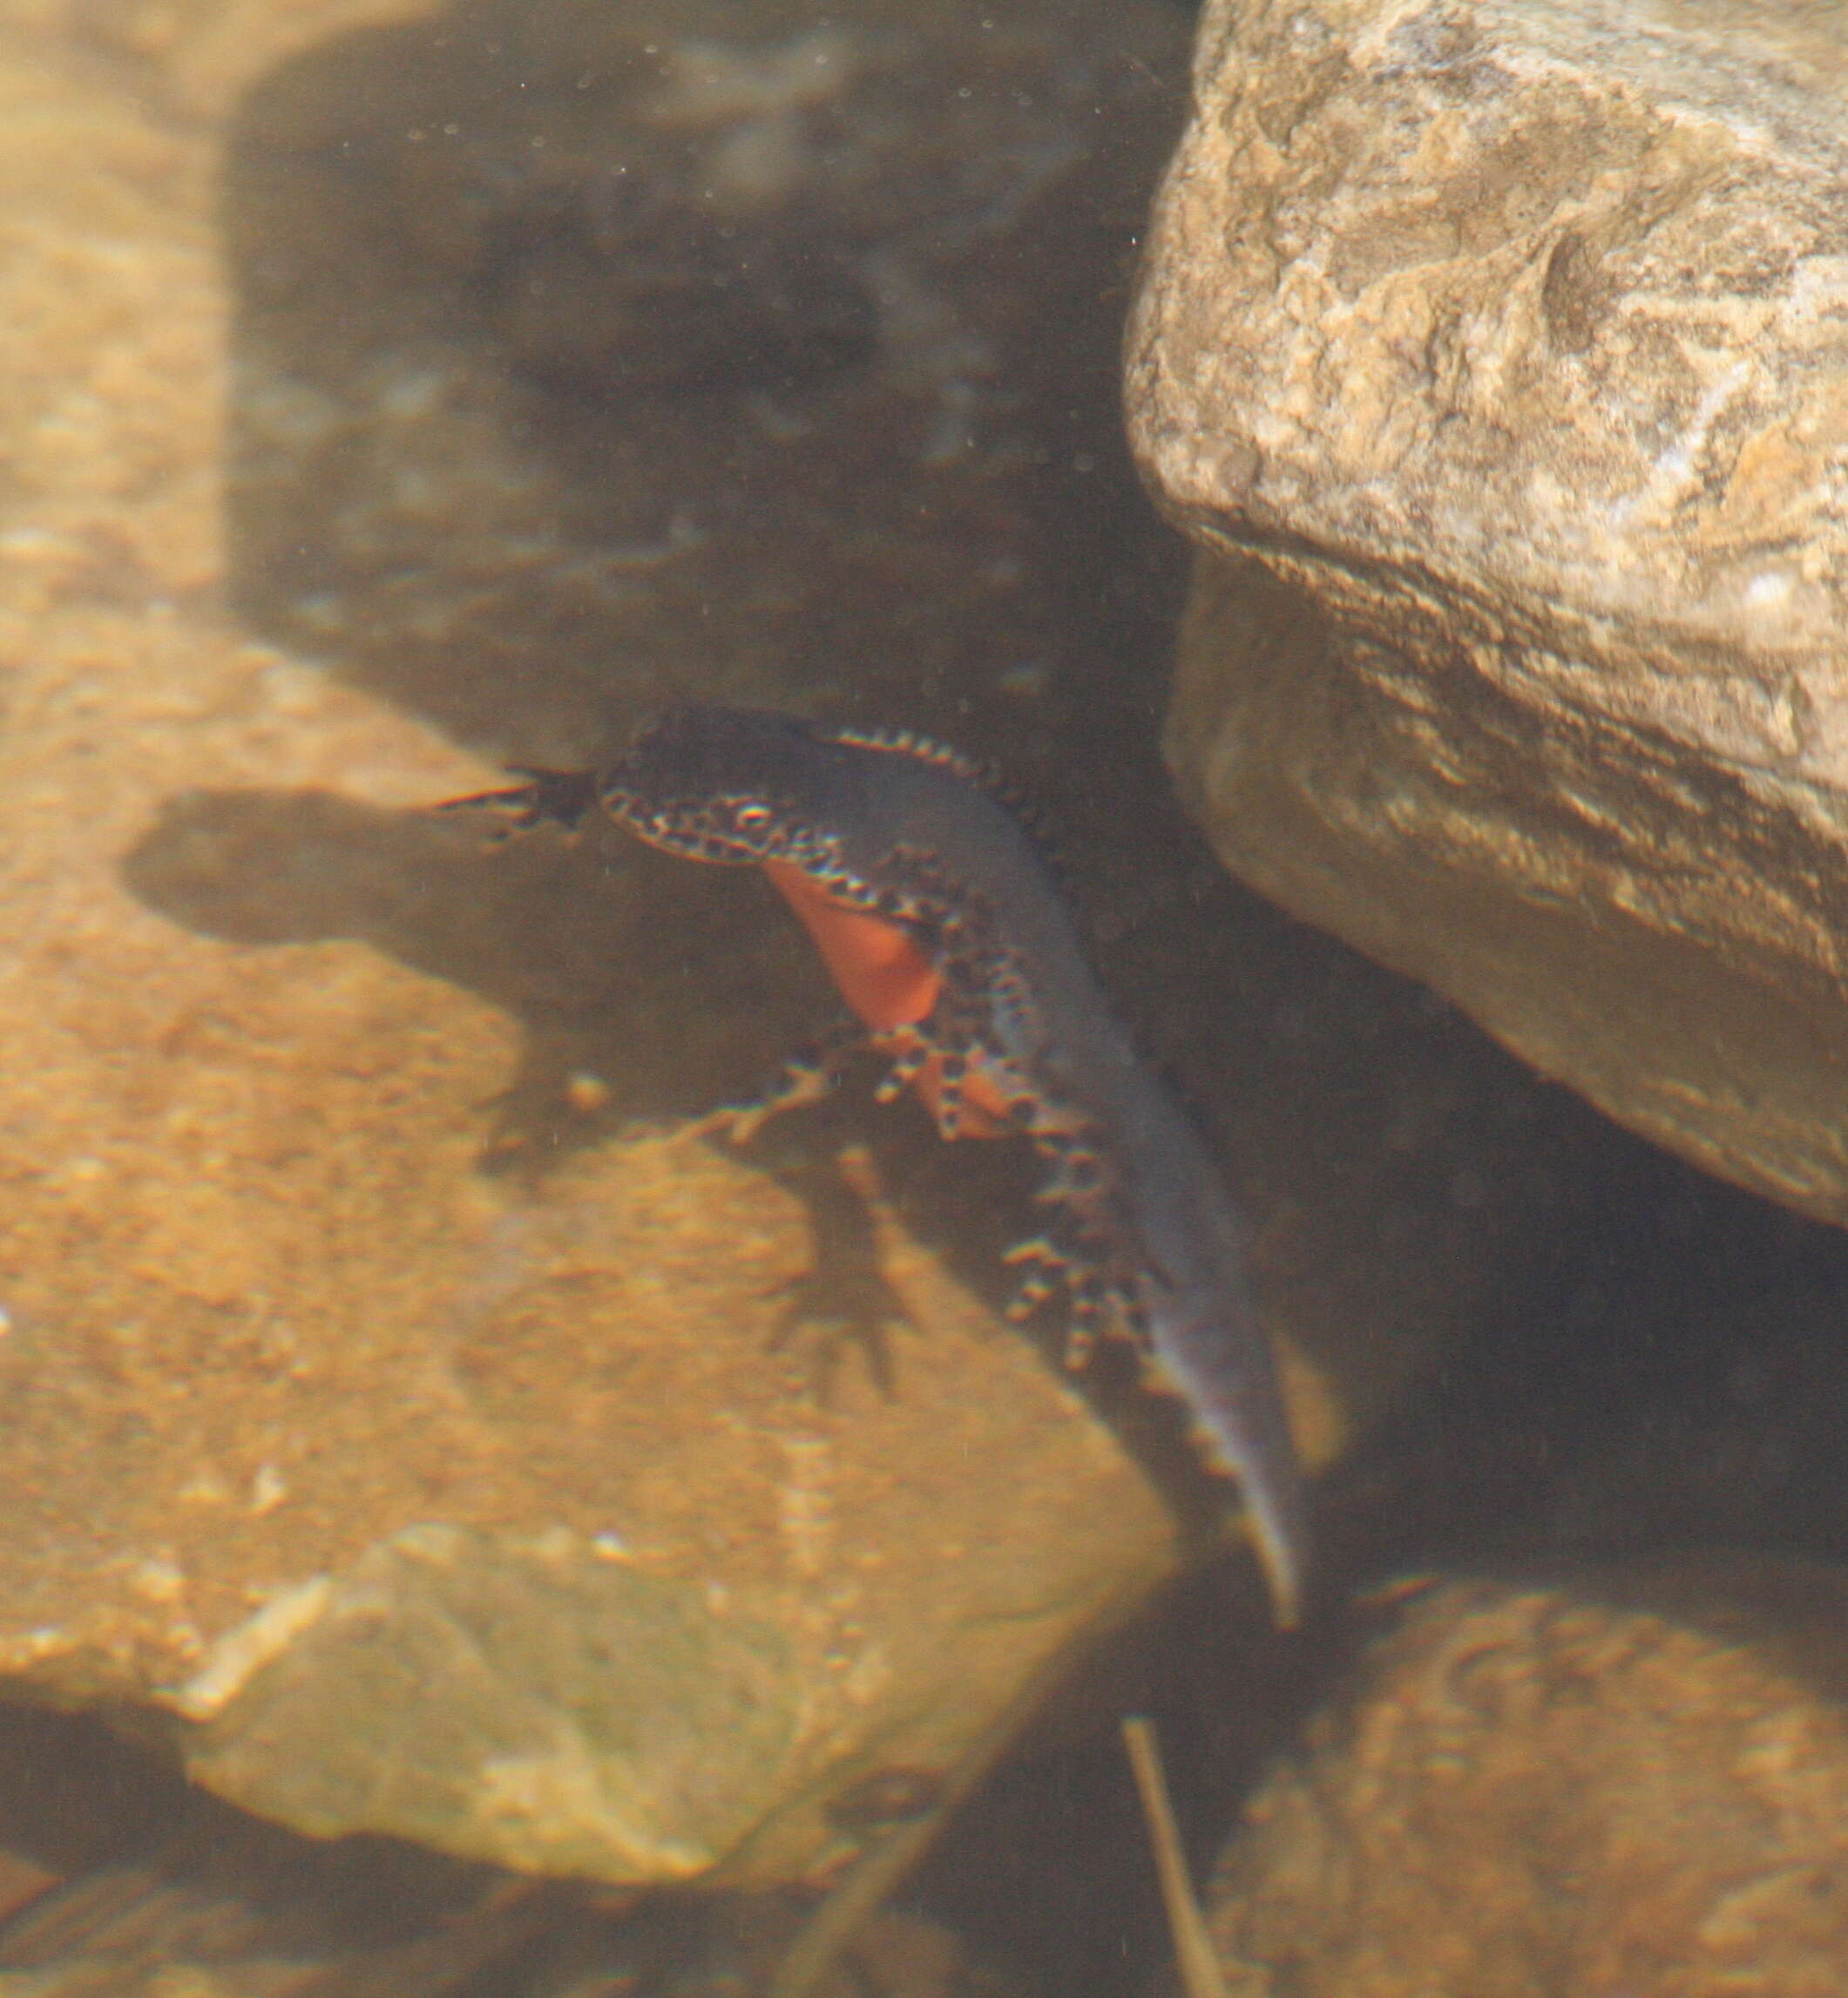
117, 1879
592, 1719
301, 1255
1491, 353
1635, 1782
354, 1205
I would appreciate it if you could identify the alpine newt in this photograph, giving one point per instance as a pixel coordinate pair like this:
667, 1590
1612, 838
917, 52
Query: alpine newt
940, 923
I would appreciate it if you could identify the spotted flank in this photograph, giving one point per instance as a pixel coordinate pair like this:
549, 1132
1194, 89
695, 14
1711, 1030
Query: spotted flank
939, 922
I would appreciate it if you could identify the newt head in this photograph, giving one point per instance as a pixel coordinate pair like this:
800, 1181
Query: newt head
721, 784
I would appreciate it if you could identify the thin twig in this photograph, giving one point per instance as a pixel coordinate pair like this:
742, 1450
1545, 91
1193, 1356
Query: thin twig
1194, 1956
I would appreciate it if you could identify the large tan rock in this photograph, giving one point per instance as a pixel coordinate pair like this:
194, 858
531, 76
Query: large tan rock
1496, 356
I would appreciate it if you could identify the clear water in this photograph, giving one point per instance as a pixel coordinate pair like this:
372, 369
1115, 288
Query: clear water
394, 399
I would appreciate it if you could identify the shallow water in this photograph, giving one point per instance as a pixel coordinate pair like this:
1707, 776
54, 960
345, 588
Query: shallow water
397, 395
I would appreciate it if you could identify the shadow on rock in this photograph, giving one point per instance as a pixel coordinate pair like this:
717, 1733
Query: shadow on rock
580, 360
567, 939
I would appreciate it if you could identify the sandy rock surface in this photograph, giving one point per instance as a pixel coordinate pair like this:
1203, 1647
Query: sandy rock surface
1493, 355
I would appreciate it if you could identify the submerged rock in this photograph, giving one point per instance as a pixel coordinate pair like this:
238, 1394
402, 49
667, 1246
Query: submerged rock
1635, 1782
410, 1455
1492, 355
383, 1355
589, 1718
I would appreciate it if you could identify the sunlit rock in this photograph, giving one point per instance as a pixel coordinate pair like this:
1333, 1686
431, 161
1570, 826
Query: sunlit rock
1493, 355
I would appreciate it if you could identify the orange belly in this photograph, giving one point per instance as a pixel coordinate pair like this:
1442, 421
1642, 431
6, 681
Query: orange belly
890, 985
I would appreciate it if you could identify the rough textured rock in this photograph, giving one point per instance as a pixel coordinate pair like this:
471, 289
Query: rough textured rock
1633, 1784
1494, 353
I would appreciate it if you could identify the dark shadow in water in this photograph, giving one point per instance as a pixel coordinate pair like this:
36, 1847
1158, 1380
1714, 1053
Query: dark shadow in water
116, 1879
156, 1873
1670, 1380
581, 357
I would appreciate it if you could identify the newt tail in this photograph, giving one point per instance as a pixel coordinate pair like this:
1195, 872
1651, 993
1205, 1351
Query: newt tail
942, 927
